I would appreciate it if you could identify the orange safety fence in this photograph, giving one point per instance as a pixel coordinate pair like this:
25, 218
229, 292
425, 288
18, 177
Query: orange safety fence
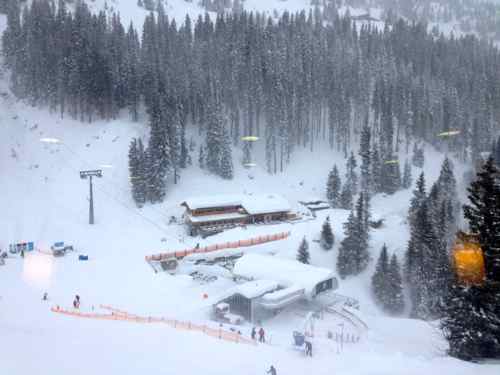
228, 245
121, 315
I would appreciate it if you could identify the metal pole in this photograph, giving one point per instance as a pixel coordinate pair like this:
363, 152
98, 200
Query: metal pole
91, 204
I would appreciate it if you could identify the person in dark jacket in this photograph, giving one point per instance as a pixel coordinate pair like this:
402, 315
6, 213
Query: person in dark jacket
254, 333
262, 337
272, 370
309, 349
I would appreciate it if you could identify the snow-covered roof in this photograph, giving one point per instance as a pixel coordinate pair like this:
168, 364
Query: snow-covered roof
260, 204
221, 200
253, 204
253, 289
286, 272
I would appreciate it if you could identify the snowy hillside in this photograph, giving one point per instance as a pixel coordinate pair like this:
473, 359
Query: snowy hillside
44, 200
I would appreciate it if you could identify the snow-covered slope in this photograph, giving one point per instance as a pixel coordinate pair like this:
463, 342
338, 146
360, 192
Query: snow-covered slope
43, 200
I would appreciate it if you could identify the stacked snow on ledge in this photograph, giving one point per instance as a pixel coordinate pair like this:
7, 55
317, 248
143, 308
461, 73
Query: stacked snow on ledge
288, 273
253, 204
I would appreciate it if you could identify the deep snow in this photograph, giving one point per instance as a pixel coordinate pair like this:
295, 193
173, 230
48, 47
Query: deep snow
44, 200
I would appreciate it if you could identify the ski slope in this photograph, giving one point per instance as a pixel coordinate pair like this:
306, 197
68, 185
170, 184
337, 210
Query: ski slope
44, 200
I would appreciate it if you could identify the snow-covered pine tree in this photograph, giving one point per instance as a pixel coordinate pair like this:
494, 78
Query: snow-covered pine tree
345, 259
137, 172
213, 149
327, 238
407, 178
366, 162
483, 215
376, 170
226, 161
419, 196
469, 320
303, 255
395, 300
351, 177
333, 188
380, 287
353, 254
175, 139
426, 246
346, 197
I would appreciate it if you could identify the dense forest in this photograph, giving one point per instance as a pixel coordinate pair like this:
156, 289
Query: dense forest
296, 81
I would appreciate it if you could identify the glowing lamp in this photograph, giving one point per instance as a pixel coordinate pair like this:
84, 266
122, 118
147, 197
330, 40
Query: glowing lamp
449, 133
468, 259
250, 138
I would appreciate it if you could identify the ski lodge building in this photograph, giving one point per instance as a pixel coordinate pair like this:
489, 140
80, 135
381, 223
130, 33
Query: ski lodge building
272, 284
226, 211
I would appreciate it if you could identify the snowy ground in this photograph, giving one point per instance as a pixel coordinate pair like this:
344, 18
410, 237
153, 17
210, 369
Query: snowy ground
44, 200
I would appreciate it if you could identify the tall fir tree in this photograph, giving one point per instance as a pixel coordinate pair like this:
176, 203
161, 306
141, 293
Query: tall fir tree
471, 322
396, 300
366, 162
353, 254
333, 188
380, 288
327, 239
303, 255
407, 177
226, 162
419, 196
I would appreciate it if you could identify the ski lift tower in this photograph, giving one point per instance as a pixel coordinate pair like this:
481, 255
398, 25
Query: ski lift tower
83, 176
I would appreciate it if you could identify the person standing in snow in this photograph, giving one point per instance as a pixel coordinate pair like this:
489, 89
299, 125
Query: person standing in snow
254, 333
272, 370
76, 302
45, 296
262, 337
309, 349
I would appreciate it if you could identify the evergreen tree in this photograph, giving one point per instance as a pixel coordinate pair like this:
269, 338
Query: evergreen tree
366, 162
483, 215
380, 287
226, 162
136, 171
353, 254
351, 177
407, 178
419, 196
376, 170
470, 323
346, 197
327, 238
303, 252
395, 301
333, 188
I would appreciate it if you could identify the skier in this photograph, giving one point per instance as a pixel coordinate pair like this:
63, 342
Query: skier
309, 349
272, 370
45, 296
76, 302
254, 333
262, 337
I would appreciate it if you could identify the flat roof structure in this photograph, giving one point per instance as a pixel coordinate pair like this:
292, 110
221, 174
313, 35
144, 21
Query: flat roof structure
286, 272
